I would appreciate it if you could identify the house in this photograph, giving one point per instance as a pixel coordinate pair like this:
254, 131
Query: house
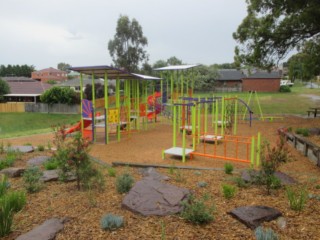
229, 80
262, 81
232, 80
24, 89
75, 83
47, 74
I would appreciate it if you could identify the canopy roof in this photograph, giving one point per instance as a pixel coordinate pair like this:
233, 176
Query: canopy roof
175, 67
112, 72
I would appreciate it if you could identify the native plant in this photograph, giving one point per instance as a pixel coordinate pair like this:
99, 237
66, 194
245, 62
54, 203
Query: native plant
73, 160
265, 234
32, 179
297, 198
196, 211
111, 222
124, 183
228, 191
228, 168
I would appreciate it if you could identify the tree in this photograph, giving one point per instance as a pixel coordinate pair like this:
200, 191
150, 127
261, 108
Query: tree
174, 61
99, 91
64, 67
272, 28
127, 47
59, 95
16, 70
4, 89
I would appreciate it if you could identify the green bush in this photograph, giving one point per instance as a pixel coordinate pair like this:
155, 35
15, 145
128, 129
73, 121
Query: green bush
3, 185
267, 234
2, 149
228, 168
303, 131
196, 211
124, 183
297, 198
6, 217
285, 89
228, 191
240, 182
40, 148
31, 177
59, 95
51, 164
111, 222
202, 184
112, 172
17, 200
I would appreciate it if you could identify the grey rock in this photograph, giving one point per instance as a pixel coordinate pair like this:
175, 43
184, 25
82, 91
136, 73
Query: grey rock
36, 161
253, 216
13, 171
46, 231
23, 149
152, 197
152, 173
50, 175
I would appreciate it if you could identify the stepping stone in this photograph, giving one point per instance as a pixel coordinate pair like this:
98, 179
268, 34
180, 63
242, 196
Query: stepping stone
247, 176
12, 171
36, 161
50, 175
46, 231
151, 197
253, 216
23, 149
152, 173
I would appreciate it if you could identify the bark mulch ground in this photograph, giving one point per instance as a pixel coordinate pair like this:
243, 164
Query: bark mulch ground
85, 208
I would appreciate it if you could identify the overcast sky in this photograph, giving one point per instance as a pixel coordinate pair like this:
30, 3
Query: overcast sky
45, 32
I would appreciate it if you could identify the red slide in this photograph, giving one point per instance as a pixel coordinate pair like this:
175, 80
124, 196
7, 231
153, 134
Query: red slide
77, 127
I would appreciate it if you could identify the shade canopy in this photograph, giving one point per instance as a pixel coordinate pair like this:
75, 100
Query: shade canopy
112, 72
175, 67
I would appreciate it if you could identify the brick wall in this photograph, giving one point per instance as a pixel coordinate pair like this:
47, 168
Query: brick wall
261, 85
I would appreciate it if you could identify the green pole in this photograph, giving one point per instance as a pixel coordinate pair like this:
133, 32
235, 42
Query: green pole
161, 89
222, 116
81, 98
206, 117
193, 112
199, 121
258, 149
182, 80
184, 145
171, 90
235, 117
216, 118
252, 152
93, 104
106, 103
174, 126
118, 107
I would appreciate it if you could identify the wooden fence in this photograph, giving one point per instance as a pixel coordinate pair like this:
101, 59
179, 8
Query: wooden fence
12, 107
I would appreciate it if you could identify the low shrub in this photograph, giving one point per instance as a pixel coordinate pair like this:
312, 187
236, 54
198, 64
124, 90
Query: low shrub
228, 191
112, 172
40, 148
3, 185
51, 164
17, 200
196, 211
202, 184
297, 198
228, 168
285, 89
111, 222
124, 183
240, 182
31, 177
265, 234
303, 131
6, 217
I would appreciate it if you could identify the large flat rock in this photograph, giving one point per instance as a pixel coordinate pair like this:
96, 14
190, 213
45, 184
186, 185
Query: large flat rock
36, 161
23, 149
253, 216
46, 231
248, 175
13, 171
152, 197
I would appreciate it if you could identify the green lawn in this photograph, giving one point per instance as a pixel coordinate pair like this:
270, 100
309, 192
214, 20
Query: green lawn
21, 124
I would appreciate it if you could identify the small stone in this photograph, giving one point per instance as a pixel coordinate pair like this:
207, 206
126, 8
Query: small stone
281, 223
12, 172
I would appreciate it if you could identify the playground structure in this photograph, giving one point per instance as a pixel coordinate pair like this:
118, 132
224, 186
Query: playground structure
206, 122
113, 116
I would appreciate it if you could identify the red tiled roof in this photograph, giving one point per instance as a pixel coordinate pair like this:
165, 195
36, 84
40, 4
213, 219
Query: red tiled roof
28, 87
50, 69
